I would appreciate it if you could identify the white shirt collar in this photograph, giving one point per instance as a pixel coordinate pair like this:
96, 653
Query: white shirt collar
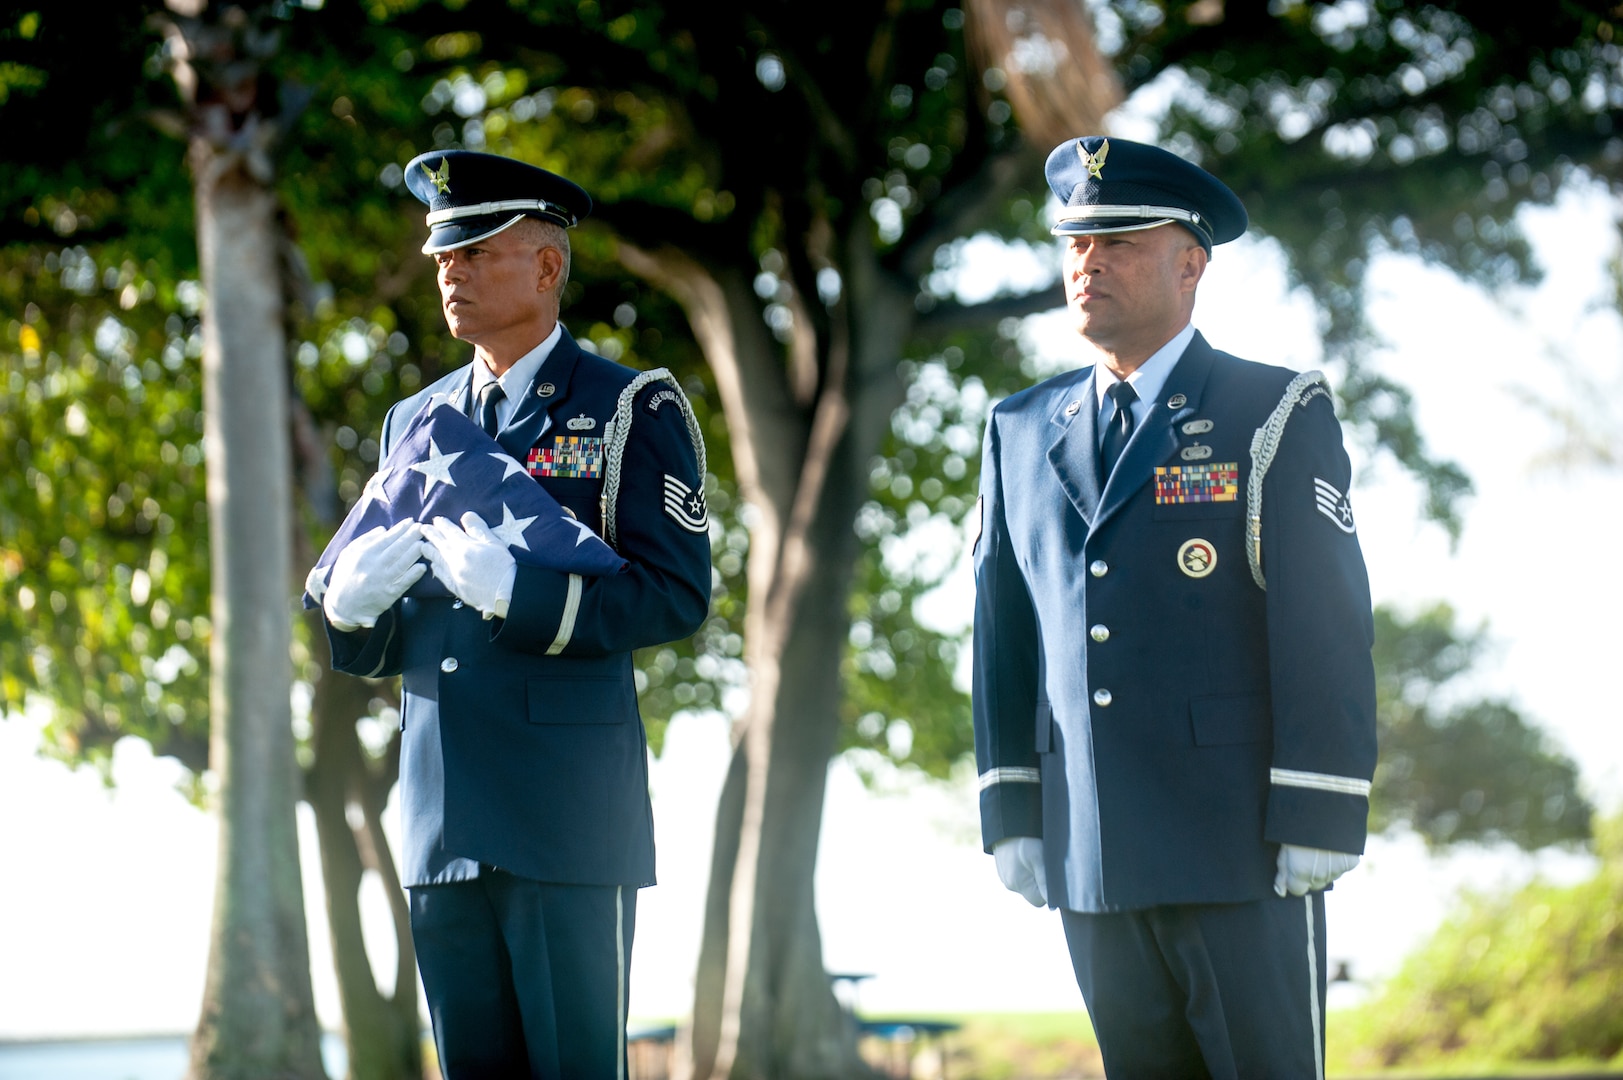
1149, 377
516, 380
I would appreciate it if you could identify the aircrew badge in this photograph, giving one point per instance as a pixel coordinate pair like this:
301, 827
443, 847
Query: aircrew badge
442, 179
581, 423
1095, 162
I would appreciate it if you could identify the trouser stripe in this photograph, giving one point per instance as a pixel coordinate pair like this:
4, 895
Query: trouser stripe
620, 982
1313, 991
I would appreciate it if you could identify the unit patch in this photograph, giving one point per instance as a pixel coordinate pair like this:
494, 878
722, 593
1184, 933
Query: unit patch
1333, 505
1197, 557
685, 506
571, 457
1217, 482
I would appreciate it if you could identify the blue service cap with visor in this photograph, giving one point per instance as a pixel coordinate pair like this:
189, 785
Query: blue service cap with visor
1114, 185
472, 196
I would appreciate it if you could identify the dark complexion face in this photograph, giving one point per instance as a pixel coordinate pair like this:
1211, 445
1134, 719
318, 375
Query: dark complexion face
1131, 292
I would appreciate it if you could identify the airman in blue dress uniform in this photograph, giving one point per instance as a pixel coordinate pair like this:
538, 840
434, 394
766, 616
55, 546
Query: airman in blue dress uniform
1173, 691
524, 782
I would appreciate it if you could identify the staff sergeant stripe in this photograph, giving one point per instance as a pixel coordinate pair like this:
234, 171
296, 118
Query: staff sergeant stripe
1006, 774
1341, 785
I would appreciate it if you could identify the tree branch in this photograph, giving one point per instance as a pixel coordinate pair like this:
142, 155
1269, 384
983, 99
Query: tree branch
949, 317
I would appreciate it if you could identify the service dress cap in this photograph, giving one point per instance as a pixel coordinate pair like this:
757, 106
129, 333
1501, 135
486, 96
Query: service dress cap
1113, 185
473, 196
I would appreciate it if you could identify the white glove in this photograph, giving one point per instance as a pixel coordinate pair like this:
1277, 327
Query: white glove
473, 562
1307, 869
1020, 867
373, 571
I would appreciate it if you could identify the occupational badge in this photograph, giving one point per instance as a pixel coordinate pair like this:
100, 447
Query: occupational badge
1195, 453
1196, 427
1197, 557
1333, 504
581, 423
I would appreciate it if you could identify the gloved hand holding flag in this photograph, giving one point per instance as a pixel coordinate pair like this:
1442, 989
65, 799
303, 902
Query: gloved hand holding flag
445, 466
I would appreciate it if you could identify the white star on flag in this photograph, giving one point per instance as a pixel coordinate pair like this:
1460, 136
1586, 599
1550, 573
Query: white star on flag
437, 468
511, 530
538, 530
373, 492
509, 466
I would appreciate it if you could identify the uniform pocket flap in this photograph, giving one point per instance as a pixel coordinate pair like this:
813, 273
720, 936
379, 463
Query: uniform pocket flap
581, 699
1230, 718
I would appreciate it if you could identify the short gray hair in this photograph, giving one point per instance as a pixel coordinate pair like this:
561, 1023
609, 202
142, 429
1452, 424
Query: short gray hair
547, 234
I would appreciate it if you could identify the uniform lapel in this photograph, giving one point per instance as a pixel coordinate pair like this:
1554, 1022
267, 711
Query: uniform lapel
1155, 440
1074, 453
532, 417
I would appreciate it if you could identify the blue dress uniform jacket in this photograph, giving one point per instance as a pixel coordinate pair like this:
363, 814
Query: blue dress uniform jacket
523, 747
1140, 703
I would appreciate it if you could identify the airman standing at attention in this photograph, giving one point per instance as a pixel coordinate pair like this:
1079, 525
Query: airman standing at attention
524, 763
1173, 693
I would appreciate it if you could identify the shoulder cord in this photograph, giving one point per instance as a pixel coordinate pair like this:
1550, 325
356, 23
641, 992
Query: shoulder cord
618, 432
1264, 445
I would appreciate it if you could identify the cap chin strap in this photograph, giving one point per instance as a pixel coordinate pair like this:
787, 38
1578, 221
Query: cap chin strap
452, 213
432, 248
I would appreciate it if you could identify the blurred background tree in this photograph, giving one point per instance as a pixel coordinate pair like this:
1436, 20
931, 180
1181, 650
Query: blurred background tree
1533, 975
784, 201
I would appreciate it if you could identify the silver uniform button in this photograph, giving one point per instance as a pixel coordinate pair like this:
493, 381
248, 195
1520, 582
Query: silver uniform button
1099, 568
1101, 698
1099, 632
457, 603
449, 665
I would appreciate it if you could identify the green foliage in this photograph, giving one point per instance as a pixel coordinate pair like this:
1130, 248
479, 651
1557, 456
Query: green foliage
1361, 127
102, 513
1533, 976
1457, 771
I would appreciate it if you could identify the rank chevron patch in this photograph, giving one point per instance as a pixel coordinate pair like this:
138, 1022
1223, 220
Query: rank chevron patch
685, 506
1333, 505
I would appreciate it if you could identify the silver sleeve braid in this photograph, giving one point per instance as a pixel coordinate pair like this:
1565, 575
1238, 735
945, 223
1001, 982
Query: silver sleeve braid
1264, 445
618, 432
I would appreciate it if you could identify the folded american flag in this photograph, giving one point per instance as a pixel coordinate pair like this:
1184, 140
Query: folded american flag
445, 465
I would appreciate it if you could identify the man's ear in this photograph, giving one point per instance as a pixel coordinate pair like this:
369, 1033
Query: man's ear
1193, 267
549, 267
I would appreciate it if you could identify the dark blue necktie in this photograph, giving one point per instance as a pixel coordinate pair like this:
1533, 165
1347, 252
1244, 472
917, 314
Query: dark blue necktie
492, 393
1118, 429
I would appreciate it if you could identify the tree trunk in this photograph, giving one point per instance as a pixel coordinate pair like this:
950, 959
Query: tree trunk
383, 1032
763, 1005
258, 1017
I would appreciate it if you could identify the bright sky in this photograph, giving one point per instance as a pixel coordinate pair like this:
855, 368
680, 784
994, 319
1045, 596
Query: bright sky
104, 921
